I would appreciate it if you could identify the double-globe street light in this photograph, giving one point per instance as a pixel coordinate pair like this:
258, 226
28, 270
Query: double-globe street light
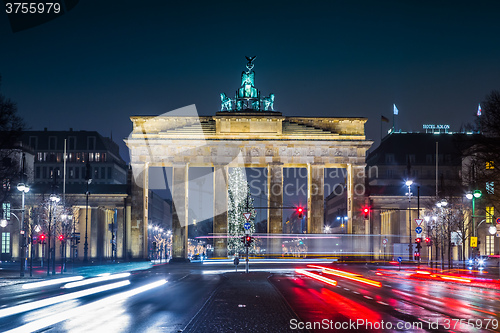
54, 199
23, 188
473, 196
410, 246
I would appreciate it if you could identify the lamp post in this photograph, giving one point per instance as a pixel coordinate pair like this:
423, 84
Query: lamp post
88, 179
53, 200
22, 253
410, 245
343, 219
473, 196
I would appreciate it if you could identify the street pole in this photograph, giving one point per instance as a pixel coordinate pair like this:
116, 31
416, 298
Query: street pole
48, 239
247, 262
86, 244
23, 238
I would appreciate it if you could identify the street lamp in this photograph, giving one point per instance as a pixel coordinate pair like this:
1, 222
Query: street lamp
88, 179
54, 199
410, 246
23, 188
473, 196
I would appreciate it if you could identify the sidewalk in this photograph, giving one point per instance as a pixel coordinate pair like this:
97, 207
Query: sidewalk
244, 303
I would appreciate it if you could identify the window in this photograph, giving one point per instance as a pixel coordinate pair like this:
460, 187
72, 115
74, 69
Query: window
110, 173
429, 159
389, 158
490, 211
34, 142
411, 158
6, 184
71, 173
103, 157
44, 172
72, 143
490, 245
91, 157
59, 157
52, 142
6, 211
390, 173
5, 242
77, 172
490, 165
37, 175
96, 173
91, 143
39, 157
103, 172
97, 157
490, 187
71, 157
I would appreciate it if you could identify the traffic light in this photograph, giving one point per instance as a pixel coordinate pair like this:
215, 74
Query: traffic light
61, 238
42, 238
418, 241
366, 212
300, 212
248, 240
428, 241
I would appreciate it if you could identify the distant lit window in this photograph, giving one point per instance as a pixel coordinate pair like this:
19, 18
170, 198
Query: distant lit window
6, 211
5, 242
490, 245
59, 158
39, 157
490, 211
490, 189
91, 157
97, 157
490, 165
103, 157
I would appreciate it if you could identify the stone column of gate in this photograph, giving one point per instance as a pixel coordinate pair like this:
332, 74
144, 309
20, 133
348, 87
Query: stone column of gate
180, 211
355, 201
315, 198
220, 210
275, 204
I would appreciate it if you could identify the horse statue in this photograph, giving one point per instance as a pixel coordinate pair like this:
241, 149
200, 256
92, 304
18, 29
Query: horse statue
268, 102
226, 102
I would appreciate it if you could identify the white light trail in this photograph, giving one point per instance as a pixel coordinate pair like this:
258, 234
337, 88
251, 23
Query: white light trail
95, 280
58, 299
81, 310
51, 282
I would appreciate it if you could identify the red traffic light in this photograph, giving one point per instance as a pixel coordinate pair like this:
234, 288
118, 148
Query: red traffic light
427, 240
418, 240
366, 212
61, 238
42, 237
300, 212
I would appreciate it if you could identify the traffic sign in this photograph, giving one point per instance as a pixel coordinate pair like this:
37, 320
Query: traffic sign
247, 216
498, 220
418, 230
473, 242
400, 259
418, 222
247, 226
384, 241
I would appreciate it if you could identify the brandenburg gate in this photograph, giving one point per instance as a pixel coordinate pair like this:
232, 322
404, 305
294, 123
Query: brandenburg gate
247, 132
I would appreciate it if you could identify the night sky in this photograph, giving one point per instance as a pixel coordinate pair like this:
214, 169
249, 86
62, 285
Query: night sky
104, 61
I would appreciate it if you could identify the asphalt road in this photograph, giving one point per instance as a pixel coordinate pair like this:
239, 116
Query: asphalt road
212, 297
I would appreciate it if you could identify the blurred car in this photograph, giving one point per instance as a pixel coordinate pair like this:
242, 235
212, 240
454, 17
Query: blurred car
196, 258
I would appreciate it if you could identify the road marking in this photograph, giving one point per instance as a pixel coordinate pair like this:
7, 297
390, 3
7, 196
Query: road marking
383, 303
356, 292
368, 297
346, 289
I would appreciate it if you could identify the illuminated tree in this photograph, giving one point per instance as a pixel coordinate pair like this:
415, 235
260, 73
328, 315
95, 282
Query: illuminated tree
240, 201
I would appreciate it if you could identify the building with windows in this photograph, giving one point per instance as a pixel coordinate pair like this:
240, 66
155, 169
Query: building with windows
107, 167
435, 163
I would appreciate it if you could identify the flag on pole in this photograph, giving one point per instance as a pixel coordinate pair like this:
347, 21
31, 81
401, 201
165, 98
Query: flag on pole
384, 119
396, 111
479, 110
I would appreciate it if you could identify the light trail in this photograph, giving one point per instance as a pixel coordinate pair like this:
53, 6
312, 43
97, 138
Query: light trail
317, 277
58, 299
348, 275
81, 310
105, 277
51, 282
